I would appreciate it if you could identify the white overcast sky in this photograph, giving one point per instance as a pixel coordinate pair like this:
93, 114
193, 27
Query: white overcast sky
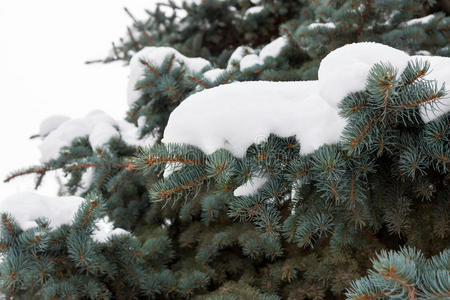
43, 47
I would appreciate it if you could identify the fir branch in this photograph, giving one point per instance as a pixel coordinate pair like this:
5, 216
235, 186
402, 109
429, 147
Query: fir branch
151, 68
135, 43
199, 82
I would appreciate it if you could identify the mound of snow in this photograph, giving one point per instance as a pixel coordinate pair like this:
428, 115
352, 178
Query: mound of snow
345, 70
213, 74
236, 115
250, 61
247, 57
97, 125
155, 56
439, 71
273, 49
50, 124
238, 54
27, 207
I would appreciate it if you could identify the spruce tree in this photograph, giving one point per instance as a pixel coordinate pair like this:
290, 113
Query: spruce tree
317, 222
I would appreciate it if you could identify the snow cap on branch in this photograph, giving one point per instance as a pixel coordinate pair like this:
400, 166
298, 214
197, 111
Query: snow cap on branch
97, 125
345, 71
236, 115
155, 56
28, 206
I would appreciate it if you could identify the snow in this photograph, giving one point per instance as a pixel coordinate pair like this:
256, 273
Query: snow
250, 187
105, 229
51, 123
236, 115
28, 206
86, 181
250, 61
170, 168
238, 54
253, 10
345, 70
423, 53
329, 25
274, 48
155, 56
423, 20
213, 74
70, 129
97, 125
101, 133
439, 71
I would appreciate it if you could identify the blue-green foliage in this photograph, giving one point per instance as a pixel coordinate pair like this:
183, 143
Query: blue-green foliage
404, 274
310, 229
53, 263
338, 196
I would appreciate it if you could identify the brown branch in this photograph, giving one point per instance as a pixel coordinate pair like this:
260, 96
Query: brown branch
8, 224
147, 85
302, 171
32, 170
42, 170
418, 102
363, 133
151, 160
165, 193
439, 134
147, 37
171, 4
108, 59
199, 82
151, 68
135, 43
227, 78
130, 15
170, 63
94, 204
369, 296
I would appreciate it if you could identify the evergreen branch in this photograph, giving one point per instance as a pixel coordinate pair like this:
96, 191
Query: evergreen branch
415, 71
42, 170
199, 82
415, 103
363, 132
131, 16
151, 68
170, 64
135, 43
148, 158
31, 170
163, 194
147, 37
227, 78
145, 85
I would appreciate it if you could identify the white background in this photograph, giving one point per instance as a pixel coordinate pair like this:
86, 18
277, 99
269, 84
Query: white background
43, 47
